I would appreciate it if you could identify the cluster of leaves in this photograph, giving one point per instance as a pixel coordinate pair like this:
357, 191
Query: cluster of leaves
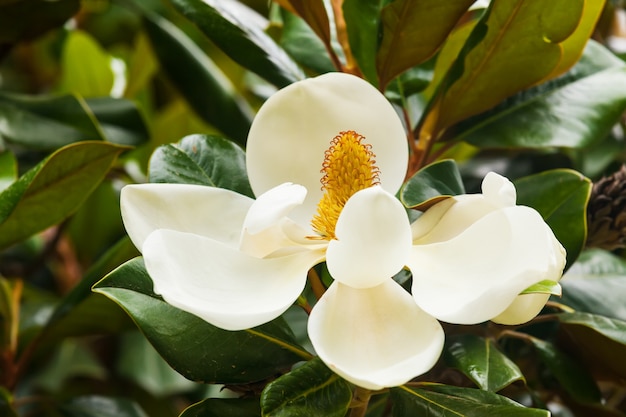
97, 94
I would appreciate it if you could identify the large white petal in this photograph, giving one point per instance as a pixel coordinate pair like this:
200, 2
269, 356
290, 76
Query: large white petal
375, 337
294, 127
523, 309
475, 276
373, 239
222, 285
207, 211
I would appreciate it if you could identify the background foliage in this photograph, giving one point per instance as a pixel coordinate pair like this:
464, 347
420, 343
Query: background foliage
96, 94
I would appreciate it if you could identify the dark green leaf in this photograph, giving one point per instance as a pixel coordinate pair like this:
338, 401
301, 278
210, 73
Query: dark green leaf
8, 169
120, 120
97, 406
219, 407
560, 196
456, 402
239, 32
413, 31
363, 25
6, 399
196, 349
200, 81
432, 184
303, 45
43, 15
481, 361
313, 12
204, 160
310, 390
53, 189
596, 283
574, 378
575, 110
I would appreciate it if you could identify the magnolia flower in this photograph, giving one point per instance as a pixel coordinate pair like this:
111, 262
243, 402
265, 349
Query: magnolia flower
238, 262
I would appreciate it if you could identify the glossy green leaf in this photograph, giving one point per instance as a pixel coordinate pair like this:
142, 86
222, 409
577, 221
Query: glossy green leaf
303, 44
601, 340
572, 376
50, 122
54, 189
310, 390
363, 24
86, 67
220, 407
240, 33
544, 287
596, 283
8, 169
313, 12
515, 45
481, 361
98, 406
445, 401
413, 31
560, 196
209, 92
432, 184
204, 160
196, 349
43, 15
575, 110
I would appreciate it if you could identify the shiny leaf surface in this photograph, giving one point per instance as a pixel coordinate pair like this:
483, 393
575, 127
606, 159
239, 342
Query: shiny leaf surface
432, 184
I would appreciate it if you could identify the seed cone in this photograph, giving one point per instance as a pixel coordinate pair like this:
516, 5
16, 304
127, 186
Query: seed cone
606, 212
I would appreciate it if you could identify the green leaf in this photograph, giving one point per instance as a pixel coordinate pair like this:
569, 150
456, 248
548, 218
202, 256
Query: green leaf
54, 189
220, 407
445, 401
8, 169
313, 12
544, 287
363, 23
575, 110
515, 45
601, 340
98, 406
203, 160
560, 196
120, 120
86, 67
196, 349
303, 44
432, 184
413, 31
574, 378
596, 283
42, 15
240, 33
50, 122
200, 81
481, 361
310, 390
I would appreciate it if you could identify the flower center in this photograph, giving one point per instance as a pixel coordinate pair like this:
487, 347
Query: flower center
348, 167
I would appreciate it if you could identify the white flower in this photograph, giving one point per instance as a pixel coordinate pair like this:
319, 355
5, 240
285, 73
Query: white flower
238, 262
474, 254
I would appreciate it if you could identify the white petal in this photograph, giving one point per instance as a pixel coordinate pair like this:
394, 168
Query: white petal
221, 285
523, 309
475, 276
266, 225
294, 127
207, 211
375, 337
499, 190
373, 239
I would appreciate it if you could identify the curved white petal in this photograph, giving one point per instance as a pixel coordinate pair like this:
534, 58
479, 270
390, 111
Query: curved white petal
221, 285
207, 211
375, 337
499, 190
373, 239
476, 275
294, 127
266, 225
523, 309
